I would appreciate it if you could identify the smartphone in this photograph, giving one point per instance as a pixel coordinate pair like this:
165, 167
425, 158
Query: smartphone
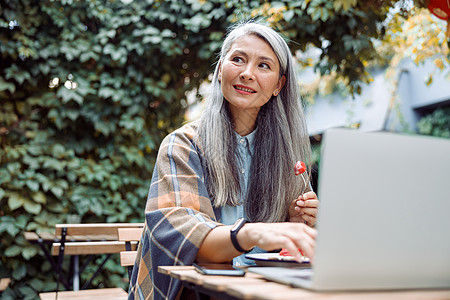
219, 269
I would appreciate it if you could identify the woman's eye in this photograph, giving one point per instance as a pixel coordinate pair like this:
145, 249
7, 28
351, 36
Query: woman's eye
237, 59
264, 66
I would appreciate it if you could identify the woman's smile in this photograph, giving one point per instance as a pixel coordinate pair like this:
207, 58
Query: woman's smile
244, 90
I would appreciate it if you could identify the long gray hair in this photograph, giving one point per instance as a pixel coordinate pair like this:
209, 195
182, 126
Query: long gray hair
281, 139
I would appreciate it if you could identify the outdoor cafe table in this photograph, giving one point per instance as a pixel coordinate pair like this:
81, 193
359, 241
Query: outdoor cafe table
253, 286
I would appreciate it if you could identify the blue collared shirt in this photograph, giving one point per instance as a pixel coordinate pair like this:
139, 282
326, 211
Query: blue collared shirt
229, 214
244, 153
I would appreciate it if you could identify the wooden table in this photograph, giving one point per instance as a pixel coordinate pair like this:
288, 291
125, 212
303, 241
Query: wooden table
253, 286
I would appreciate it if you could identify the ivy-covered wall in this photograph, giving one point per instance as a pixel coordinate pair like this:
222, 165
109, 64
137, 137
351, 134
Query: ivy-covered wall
88, 89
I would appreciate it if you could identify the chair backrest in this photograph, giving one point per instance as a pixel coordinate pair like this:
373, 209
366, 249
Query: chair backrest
129, 236
4, 283
94, 238
94, 231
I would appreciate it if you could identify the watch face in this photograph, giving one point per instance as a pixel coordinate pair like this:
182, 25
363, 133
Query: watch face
238, 224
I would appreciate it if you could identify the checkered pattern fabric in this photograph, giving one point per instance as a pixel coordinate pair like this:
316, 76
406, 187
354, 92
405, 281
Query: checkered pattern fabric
179, 215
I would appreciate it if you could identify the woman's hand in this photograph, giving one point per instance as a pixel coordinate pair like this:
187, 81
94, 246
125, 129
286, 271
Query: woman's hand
271, 236
304, 209
218, 248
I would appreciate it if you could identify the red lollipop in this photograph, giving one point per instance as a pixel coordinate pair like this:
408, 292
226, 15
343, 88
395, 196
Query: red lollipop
300, 167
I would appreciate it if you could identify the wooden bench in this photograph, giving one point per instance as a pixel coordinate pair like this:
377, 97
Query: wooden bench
88, 239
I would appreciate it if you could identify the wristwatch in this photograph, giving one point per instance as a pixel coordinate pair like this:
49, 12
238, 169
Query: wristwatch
233, 234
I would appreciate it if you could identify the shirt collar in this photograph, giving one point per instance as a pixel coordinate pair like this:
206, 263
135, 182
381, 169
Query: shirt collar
249, 138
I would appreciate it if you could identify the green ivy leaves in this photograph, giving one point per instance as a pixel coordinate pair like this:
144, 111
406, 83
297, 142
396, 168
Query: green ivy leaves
436, 123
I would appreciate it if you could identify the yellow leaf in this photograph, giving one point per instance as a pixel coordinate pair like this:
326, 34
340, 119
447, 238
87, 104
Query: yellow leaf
349, 3
344, 4
429, 80
337, 5
439, 63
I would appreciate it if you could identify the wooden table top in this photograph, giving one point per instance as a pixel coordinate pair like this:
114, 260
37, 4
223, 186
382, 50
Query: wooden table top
254, 286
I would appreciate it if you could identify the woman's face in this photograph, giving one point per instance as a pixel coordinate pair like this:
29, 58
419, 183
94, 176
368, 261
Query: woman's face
250, 74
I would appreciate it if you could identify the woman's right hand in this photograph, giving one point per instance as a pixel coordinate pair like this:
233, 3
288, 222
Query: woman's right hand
270, 236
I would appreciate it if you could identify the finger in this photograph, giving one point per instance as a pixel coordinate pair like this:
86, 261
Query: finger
308, 251
308, 218
292, 248
308, 210
309, 195
308, 203
306, 244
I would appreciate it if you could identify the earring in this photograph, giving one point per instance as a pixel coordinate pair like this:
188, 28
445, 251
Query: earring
275, 93
219, 78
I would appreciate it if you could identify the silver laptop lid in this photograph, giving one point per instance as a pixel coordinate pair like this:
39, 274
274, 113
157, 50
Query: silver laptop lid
384, 220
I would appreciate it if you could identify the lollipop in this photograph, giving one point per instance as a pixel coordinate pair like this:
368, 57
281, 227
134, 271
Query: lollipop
299, 169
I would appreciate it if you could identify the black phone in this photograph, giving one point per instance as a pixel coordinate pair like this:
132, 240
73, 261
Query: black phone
218, 269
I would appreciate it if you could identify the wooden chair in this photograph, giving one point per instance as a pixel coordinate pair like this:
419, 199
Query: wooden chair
4, 283
90, 239
97, 294
129, 236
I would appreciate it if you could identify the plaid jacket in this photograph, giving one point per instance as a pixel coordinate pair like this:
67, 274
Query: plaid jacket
179, 215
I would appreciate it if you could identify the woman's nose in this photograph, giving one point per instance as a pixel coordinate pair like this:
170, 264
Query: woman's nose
247, 73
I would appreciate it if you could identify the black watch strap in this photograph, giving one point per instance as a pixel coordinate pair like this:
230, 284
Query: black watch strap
233, 234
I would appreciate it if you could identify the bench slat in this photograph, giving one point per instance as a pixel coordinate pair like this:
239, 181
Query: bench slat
4, 283
97, 294
127, 258
86, 248
106, 230
130, 234
33, 236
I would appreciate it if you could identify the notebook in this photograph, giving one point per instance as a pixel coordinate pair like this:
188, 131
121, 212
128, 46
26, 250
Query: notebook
384, 216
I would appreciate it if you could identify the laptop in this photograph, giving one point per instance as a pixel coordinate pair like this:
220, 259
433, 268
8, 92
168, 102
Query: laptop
384, 216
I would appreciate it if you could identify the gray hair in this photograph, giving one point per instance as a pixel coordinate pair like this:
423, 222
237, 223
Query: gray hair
281, 139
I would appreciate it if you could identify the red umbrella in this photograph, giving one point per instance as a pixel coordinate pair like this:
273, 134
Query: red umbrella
441, 9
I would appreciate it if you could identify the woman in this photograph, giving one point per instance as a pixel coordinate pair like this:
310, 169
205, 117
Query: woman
225, 184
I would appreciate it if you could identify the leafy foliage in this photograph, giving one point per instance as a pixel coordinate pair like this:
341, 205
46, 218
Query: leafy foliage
88, 89
344, 31
410, 33
85, 102
436, 123
419, 38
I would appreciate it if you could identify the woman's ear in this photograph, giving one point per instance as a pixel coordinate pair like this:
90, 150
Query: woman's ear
280, 85
219, 73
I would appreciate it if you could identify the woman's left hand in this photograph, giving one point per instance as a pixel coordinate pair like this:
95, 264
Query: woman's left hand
304, 209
